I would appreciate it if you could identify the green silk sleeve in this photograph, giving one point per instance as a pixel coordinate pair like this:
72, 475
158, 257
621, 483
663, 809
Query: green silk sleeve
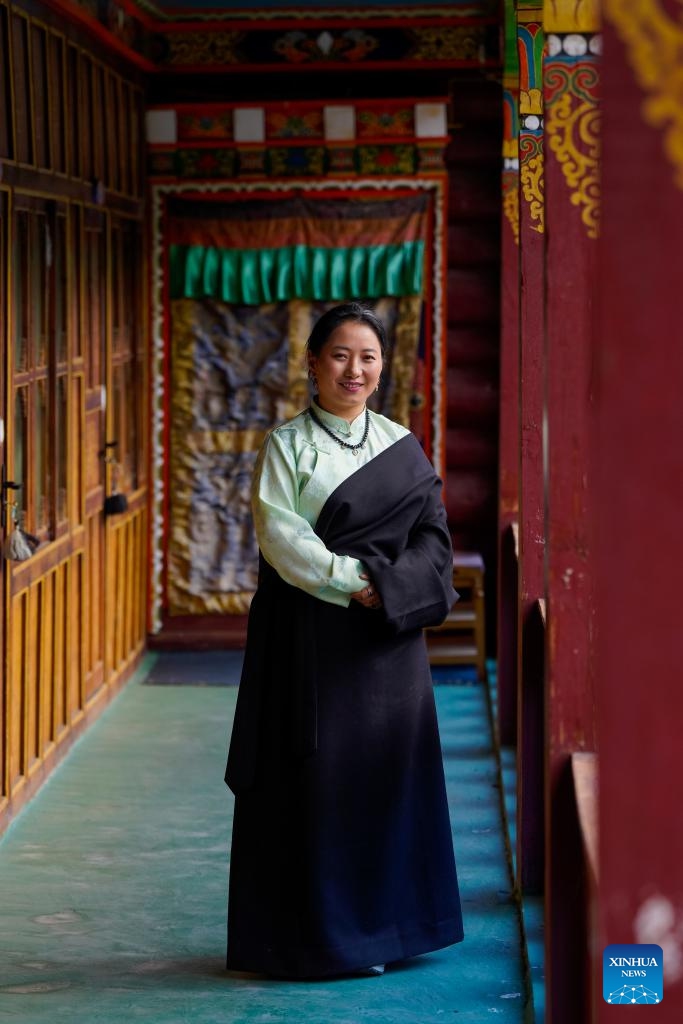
287, 540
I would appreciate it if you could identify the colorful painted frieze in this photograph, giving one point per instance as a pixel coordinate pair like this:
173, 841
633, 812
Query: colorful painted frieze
370, 138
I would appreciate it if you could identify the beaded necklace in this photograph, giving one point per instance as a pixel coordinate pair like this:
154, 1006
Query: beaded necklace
344, 444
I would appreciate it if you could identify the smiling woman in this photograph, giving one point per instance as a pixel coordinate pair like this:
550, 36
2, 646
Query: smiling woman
347, 368
342, 858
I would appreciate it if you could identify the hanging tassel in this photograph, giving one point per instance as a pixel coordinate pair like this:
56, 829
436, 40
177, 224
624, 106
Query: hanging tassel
17, 548
19, 545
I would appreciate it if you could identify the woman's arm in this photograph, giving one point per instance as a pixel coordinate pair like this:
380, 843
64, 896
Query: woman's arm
287, 541
417, 587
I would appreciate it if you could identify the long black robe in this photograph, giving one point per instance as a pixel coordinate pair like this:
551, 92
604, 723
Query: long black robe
341, 849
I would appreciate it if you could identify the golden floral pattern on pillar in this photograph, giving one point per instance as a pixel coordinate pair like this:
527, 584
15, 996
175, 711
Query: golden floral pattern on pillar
510, 176
653, 38
531, 178
572, 128
511, 201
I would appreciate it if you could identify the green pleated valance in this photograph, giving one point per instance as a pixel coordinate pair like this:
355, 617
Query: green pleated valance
255, 276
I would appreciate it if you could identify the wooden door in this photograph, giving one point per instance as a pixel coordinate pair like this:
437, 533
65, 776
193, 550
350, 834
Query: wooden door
93, 311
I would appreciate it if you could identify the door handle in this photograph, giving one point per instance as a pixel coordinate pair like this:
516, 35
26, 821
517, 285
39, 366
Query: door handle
104, 454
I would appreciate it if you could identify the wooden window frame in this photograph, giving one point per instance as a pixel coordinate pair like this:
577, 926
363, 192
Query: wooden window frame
43, 373
18, 18
87, 151
126, 415
7, 140
40, 75
74, 94
98, 136
57, 106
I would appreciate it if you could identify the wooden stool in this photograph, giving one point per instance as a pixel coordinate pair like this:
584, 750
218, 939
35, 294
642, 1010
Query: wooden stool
460, 639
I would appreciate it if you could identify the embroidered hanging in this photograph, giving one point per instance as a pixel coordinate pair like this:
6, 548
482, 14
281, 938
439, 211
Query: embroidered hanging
247, 282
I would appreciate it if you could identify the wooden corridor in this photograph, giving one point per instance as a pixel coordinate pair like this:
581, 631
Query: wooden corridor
113, 882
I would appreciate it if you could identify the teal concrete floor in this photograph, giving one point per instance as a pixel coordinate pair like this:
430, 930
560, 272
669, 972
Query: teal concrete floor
113, 884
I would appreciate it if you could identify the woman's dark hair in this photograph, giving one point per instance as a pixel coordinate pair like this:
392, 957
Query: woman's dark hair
338, 315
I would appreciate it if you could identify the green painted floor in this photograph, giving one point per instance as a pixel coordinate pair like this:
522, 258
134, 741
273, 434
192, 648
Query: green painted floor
113, 884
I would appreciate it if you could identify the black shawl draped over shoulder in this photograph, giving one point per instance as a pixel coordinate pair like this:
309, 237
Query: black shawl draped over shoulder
341, 851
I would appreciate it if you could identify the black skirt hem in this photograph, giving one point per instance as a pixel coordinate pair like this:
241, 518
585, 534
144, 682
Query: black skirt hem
304, 964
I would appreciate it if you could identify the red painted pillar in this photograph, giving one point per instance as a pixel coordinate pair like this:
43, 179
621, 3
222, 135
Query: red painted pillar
570, 76
508, 443
531, 501
531, 254
639, 496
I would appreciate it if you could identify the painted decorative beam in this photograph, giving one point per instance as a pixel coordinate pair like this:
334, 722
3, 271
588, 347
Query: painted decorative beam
221, 40
291, 139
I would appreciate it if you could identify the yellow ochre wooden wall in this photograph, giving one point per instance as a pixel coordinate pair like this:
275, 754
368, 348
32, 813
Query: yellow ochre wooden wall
72, 377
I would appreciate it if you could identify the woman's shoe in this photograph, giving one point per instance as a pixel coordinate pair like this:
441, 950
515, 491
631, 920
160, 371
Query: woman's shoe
372, 972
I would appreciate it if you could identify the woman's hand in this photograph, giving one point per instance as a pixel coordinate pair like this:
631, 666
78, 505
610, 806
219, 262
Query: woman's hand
368, 596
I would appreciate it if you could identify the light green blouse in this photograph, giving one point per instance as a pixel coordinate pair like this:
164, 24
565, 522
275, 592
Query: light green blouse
297, 469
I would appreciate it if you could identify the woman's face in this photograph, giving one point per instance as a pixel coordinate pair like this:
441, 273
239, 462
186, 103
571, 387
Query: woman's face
347, 369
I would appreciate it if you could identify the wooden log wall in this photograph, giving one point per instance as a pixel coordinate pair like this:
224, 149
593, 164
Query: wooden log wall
72, 616
474, 202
